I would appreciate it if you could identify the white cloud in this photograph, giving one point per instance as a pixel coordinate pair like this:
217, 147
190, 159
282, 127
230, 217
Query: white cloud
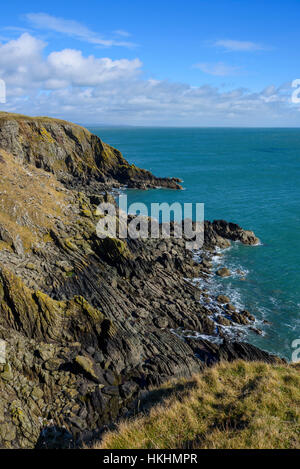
238, 46
24, 48
70, 65
91, 89
218, 69
22, 64
121, 32
71, 28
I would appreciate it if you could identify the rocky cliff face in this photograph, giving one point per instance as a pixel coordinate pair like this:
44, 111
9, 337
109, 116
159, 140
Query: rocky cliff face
72, 153
85, 323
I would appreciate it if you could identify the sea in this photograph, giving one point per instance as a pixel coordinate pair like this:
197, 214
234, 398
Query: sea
247, 176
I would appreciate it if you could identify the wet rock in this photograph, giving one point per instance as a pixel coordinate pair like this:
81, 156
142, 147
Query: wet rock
248, 315
239, 318
206, 264
240, 272
223, 321
256, 331
229, 307
234, 232
266, 322
223, 299
197, 295
223, 272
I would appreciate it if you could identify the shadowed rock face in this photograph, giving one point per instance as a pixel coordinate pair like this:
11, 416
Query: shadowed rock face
88, 323
220, 232
234, 232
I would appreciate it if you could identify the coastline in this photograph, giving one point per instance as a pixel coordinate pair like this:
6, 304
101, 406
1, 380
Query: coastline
88, 323
238, 177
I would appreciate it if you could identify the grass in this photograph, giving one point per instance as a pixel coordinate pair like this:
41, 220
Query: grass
230, 406
30, 200
13, 116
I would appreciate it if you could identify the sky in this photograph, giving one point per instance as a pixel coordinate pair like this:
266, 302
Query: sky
159, 63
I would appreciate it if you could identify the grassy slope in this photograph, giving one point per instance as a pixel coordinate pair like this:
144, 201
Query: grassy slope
30, 199
12, 116
232, 405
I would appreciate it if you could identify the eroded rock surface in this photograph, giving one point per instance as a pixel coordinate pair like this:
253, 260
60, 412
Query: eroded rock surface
88, 323
72, 153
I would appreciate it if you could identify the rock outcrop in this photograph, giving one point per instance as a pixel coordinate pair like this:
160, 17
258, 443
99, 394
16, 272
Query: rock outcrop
85, 323
72, 153
230, 231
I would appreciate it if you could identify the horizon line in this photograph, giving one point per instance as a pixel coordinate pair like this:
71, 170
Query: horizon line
189, 126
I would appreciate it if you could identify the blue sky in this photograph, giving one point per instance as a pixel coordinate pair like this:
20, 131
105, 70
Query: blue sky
220, 62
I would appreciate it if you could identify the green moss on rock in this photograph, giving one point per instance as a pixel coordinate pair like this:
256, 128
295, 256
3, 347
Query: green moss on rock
38, 316
113, 250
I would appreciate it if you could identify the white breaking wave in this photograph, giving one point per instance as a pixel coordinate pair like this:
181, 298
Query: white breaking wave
213, 287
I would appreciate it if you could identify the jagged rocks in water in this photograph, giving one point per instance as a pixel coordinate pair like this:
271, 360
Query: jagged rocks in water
234, 232
223, 272
223, 299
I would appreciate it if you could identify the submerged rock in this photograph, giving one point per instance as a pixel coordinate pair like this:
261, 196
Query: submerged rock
256, 331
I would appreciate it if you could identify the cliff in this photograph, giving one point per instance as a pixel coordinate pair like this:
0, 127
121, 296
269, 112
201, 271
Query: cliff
86, 324
72, 153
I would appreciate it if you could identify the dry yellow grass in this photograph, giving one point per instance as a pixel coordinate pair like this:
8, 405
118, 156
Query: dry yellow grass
18, 117
230, 406
30, 199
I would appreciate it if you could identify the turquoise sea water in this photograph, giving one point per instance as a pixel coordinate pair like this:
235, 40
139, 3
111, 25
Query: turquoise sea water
247, 176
